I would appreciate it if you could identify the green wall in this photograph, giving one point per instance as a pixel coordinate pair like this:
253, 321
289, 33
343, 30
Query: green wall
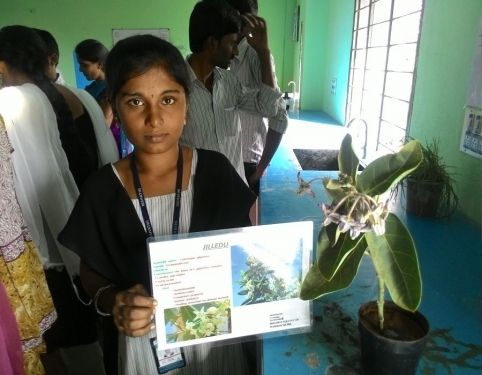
73, 21
279, 16
337, 46
444, 63
443, 71
313, 54
327, 26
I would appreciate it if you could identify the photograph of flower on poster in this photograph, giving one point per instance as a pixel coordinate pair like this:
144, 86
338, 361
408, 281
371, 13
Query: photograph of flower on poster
266, 275
198, 321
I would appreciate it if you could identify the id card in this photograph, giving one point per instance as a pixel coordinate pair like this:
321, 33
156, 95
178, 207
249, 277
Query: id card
167, 360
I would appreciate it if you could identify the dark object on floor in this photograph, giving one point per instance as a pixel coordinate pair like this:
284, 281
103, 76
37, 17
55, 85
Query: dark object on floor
317, 160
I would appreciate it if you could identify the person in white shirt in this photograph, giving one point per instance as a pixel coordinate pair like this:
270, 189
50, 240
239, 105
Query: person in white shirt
260, 142
217, 96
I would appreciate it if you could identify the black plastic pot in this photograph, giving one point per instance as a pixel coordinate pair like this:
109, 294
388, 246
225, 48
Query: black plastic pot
399, 354
423, 198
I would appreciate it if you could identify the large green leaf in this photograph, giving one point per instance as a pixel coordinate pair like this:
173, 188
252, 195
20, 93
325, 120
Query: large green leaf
347, 159
315, 285
395, 259
384, 172
312, 284
332, 255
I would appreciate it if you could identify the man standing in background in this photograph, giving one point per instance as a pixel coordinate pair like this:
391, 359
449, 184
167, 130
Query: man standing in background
217, 97
259, 141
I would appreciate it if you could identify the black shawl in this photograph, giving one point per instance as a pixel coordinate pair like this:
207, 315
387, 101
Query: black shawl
105, 231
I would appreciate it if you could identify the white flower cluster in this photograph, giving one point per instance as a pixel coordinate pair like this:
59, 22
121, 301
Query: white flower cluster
207, 322
360, 213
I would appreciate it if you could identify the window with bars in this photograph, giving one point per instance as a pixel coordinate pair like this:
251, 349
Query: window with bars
382, 69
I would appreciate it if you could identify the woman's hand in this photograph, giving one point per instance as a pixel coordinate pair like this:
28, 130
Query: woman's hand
133, 311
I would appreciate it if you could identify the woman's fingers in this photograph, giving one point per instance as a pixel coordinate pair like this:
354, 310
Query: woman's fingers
134, 329
134, 311
129, 324
139, 289
137, 329
133, 321
133, 299
135, 296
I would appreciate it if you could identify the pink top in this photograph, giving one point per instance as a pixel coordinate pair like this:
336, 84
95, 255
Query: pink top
11, 362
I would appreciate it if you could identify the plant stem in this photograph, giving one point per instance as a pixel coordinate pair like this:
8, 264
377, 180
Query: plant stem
316, 179
357, 199
381, 302
341, 202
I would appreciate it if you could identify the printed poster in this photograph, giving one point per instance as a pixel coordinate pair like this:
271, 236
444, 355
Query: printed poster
222, 285
471, 138
119, 34
471, 142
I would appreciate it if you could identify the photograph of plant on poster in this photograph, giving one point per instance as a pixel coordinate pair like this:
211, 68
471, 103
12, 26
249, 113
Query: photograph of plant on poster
198, 321
255, 281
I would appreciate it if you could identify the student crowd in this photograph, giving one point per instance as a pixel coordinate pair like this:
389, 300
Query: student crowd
156, 144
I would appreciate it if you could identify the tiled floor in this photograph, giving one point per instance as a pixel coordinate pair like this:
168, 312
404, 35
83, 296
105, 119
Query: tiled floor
304, 131
450, 254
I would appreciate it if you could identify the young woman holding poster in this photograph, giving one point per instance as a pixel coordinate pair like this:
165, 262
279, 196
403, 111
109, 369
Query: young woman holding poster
135, 198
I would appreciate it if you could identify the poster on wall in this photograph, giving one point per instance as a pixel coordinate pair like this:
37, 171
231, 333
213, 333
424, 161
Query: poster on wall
118, 34
471, 142
471, 138
222, 285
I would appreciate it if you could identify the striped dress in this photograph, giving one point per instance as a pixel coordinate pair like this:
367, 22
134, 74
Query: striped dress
135, 354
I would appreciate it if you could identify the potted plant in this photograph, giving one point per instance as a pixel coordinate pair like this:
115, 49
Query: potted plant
429, 189
358, 221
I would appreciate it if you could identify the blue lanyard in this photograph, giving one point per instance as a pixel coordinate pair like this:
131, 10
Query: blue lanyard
142, 201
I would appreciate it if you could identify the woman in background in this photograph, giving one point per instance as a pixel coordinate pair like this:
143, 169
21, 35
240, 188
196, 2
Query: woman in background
49, 163
34, 113
21, 273
182, 189
23, 59
87, 114
91, 55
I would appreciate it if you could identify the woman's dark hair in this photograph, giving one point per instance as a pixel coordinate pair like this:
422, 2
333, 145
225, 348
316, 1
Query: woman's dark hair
50, 43
24, 51
135, 55
92, 50
211, 18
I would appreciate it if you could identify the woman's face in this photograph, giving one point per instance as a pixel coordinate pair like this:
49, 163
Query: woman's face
91, 70
152, 110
